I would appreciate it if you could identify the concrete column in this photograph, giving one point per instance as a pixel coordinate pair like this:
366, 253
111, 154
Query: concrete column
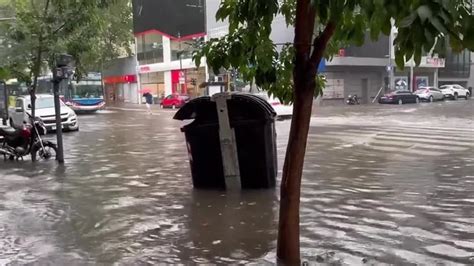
137, 72
139, 86
166, 49
390, 65
435, 78
411, 79
168, 83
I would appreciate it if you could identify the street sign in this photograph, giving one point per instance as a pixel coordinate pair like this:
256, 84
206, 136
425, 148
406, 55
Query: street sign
322, 66
182, 78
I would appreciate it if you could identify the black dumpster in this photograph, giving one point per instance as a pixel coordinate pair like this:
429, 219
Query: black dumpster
253, 121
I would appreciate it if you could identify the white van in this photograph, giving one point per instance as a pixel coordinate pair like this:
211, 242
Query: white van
44, 111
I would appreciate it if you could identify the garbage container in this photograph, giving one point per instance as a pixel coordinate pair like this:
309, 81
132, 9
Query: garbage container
253, 122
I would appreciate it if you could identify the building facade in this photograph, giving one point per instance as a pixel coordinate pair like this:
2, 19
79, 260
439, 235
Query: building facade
167, 31
166, 34
120, 81
370, 70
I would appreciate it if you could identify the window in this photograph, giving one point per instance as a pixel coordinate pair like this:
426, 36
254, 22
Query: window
183, 47
19, 104
150, 48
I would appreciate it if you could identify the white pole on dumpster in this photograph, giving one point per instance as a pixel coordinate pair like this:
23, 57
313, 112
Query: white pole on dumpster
230, 159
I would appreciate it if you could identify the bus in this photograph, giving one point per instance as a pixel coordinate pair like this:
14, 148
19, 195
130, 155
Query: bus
83, 96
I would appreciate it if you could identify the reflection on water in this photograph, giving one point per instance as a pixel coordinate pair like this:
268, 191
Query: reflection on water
125, 197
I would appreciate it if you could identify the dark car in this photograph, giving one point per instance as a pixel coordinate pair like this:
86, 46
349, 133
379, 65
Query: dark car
399, 97
174, 101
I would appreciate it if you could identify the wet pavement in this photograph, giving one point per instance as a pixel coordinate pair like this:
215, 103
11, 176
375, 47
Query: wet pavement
382, 184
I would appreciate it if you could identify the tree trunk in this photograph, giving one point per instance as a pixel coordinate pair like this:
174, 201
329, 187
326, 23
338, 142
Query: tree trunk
308, 54
36, 72
37, 64
288, 250
289, 226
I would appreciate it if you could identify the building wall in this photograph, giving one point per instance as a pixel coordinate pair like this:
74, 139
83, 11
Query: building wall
120, 91
471, 76
165, 32
120, 66
280, 32
353, 81
172, 18
372, 49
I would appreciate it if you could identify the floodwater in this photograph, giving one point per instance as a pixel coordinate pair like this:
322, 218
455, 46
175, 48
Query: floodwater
384, 184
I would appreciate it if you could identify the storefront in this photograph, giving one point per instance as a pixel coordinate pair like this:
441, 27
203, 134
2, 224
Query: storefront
120, 81
413, 77
163, 79
121, 89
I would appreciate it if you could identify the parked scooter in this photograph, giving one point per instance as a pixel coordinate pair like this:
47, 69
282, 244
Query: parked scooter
19, 142
352, 99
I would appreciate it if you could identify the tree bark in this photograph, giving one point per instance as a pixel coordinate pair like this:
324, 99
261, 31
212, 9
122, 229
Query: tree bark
36, 72
289, 226
304, 77
37, 63
288, 250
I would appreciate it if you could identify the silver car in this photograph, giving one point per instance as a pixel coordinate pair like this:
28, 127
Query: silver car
429, 94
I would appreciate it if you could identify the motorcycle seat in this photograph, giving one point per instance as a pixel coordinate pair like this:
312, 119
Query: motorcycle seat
8, 131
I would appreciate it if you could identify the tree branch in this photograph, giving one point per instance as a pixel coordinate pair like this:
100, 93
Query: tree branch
320, 43
59, 28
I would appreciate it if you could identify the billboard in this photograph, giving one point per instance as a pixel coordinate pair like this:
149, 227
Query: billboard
172, 18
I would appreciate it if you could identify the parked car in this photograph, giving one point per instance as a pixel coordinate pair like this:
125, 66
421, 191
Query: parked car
282, 110
174, 101
44, 111
429, 94
399, 97
454, 91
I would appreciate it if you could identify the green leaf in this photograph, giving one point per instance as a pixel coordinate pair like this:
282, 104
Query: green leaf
456, 44
400, 59
438, 25
424, 12
408, 20
417, 55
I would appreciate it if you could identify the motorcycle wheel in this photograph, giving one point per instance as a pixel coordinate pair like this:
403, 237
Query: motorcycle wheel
47, 153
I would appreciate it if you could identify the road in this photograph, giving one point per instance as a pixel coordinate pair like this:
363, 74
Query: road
383, 184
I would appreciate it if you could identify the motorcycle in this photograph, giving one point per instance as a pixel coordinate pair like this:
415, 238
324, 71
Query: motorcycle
352, 100
19, 142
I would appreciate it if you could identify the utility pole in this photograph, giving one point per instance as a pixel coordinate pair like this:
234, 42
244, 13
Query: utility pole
57, 110
62, 72
5, 95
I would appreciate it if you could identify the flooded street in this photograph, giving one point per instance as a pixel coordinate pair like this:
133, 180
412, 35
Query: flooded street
382, 184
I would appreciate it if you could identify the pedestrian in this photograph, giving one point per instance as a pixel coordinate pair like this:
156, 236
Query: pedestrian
148, 101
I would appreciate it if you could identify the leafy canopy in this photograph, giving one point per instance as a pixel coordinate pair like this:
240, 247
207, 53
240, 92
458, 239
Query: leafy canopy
92, 31
248, 47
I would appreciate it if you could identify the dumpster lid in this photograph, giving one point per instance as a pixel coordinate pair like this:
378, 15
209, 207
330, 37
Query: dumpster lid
241, 106
248, 106
198, 107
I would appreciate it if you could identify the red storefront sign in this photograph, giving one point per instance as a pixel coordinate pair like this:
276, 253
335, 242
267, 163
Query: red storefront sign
145, 69
178, 81
120, 79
